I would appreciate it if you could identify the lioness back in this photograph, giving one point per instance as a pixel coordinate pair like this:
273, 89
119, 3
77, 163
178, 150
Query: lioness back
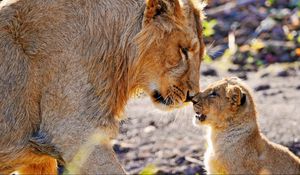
32, 35
38, 41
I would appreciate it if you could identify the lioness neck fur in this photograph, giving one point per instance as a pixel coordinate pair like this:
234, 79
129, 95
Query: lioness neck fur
68, 67
235, 143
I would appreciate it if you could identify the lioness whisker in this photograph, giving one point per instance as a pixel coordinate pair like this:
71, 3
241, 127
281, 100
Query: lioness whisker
178, 89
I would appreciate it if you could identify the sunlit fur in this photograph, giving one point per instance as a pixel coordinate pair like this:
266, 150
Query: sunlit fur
68, 67
235, 143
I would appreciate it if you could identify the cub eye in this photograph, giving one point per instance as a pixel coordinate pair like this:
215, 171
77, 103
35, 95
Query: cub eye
185, 51
213, 94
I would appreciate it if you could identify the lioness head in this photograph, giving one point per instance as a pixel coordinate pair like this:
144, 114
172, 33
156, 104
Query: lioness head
170, 48
224, 102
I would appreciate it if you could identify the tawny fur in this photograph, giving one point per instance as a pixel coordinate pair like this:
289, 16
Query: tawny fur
68, 67
235, 143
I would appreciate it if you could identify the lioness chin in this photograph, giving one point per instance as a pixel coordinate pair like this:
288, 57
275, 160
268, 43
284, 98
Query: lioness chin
68, 68
236, 145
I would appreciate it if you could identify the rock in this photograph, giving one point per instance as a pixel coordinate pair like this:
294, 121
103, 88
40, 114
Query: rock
251, 21
60, 169
143, 155
278, 33
243, 76
295, 19
266, 25
152, 123
184, 149
200, 169
262, 87
285, 58
217, 51
270, 58
149, 129
139, 158
133, 167
241, 69
180, 160
280, 13
164, 172
192, 170
295, 148
298, 87
209, 72
272, 93
284, 73
264, 75
119, 149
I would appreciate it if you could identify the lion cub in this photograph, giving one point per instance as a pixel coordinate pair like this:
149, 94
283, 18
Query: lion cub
236, 145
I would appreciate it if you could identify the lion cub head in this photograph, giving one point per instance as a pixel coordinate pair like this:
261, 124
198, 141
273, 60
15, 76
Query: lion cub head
170, 49
224, 103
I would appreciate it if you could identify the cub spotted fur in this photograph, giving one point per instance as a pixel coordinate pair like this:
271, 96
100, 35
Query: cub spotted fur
236, 145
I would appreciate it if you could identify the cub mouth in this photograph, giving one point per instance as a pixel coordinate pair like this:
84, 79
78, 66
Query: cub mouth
200, 117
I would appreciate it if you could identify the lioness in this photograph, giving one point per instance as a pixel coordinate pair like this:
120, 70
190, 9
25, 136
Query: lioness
236, 145
68, 68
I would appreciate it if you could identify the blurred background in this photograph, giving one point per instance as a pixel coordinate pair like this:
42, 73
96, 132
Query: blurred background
256, 40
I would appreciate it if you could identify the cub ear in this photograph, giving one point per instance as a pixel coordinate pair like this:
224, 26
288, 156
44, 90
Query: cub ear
235, 96
156, 8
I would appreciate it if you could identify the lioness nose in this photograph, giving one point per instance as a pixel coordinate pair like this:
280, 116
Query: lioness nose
189, 97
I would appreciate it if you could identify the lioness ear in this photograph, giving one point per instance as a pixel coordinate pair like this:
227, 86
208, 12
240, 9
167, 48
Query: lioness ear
235, 96
156, 8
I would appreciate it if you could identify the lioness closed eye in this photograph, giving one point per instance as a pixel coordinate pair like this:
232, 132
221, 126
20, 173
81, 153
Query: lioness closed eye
68, 68
236, 145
